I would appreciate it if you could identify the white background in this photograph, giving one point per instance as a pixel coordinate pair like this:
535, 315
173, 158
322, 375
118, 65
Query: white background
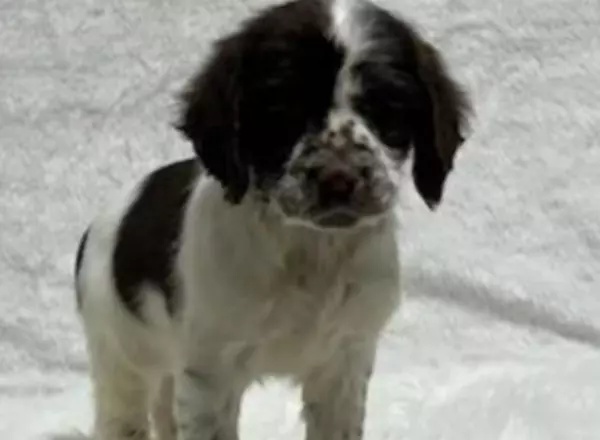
500, 334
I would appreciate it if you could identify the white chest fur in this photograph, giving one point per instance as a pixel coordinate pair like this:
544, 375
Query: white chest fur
273, 298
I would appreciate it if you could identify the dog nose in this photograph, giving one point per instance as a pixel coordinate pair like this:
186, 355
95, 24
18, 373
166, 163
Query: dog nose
336, 187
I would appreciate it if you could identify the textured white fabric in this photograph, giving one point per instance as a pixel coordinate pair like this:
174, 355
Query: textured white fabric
500, 335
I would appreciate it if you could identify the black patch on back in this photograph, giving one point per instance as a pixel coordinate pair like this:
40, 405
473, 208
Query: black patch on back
147, 239
263, 88
78, 262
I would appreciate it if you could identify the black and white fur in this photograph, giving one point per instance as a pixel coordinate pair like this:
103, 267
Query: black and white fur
274, 251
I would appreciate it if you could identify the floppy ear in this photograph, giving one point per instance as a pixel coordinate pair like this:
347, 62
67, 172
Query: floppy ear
210, 119
439, 124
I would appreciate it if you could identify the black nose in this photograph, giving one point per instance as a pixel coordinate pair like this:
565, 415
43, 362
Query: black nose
336, 187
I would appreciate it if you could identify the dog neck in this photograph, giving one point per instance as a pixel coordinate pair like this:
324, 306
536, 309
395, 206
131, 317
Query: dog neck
254, 242
289, 240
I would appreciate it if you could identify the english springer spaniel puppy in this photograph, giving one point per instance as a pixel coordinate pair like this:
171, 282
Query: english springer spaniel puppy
274, 251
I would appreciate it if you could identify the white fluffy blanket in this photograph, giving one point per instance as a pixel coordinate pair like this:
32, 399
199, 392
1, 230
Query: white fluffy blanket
499, 338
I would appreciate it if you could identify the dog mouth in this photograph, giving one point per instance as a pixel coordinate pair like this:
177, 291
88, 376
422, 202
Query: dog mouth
341, 219
338, 219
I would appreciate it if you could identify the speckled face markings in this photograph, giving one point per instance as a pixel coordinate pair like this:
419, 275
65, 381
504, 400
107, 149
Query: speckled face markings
343, 155
337, 137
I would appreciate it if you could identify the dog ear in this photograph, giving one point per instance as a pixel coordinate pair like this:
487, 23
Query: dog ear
210, 118
439, 124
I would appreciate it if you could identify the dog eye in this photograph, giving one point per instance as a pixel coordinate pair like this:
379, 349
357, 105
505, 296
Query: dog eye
396, 138
275, 81
365, 172
312, 173
385, 102
389, 122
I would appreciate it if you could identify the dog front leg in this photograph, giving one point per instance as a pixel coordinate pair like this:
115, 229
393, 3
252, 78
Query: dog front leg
207, 405
335, 396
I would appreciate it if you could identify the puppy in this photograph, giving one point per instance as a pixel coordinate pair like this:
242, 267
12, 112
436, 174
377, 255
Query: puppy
273, 252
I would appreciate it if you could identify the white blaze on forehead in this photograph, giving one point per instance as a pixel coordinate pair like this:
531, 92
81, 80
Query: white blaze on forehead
339, 118
350, 30
347, 27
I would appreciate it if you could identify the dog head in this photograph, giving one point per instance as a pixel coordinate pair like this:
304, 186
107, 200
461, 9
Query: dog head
314, 105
